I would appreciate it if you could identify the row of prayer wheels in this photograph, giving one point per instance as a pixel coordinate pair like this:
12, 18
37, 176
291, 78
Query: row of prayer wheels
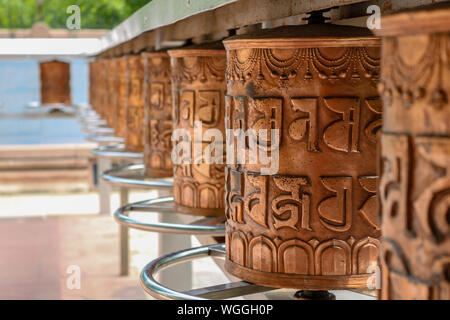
315, 100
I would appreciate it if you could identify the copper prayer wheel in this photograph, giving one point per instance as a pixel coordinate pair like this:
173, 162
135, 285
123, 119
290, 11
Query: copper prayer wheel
414, 188
55, 82
134, 111
157, 114
198, 90
312, 223
121, 96
111, 91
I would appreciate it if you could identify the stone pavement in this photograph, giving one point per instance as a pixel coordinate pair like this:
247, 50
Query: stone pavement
37, 249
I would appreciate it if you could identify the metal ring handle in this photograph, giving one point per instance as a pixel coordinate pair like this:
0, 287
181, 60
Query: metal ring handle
116, 151
97, 130
157, 290
133, 176
105, 139
96, 122
222, 291
154, 205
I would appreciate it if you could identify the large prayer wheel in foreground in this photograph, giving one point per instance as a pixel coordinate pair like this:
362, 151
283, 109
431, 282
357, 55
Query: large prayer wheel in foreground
414, 186
157, 114
312, 223
198, 86
55, 82
134, 111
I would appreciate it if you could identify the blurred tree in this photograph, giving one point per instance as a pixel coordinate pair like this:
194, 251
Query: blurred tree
103, 14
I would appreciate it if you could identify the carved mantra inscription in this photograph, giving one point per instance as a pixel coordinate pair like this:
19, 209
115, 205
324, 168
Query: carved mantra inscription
157, 115
414, 187
317, 216
134, 138
198, 84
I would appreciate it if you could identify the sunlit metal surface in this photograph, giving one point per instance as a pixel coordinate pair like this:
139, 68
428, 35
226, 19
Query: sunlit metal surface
166, 205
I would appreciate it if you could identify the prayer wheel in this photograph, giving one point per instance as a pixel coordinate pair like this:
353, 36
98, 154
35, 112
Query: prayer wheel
198, 91
414, 188
157, 114
306, 98
55, 82
111, 92
134, 111
122, 96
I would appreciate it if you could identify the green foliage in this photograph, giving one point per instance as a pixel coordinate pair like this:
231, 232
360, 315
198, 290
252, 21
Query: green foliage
103, 14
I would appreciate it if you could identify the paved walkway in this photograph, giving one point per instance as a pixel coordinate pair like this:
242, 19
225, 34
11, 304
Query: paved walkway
35, 254
41, 235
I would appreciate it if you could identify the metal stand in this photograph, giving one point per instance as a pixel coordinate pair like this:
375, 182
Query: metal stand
172, 235
223, 291
204, 226
104, 140
114, 155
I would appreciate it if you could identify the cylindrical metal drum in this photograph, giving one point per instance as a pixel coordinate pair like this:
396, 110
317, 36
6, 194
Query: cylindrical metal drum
303, 106
134, 137
414, 188
198, 87
55, 82
101, 88
122, 97
157, 114
111, 75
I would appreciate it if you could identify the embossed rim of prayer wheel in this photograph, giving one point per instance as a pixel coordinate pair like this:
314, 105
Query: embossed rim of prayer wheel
313, 224
134, 111
198, 72
414, 162
157, 114
55, 82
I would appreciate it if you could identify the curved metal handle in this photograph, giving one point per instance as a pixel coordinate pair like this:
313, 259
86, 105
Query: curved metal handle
154, 205
133, 176
104, 139
116, 151
97, 130
157, 290
96, 122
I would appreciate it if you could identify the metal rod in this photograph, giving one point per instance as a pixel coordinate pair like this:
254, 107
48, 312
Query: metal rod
115, 151
134, 176
154, 205
104, 139
124, 238
97, 130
